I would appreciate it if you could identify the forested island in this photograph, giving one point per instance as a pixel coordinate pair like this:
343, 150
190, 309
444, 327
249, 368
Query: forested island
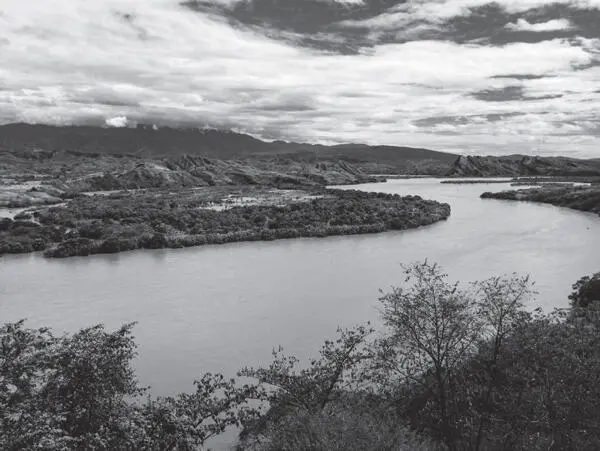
153, 219
454, 367
582, 198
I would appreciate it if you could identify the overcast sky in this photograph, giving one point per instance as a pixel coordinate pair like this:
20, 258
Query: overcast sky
468, 76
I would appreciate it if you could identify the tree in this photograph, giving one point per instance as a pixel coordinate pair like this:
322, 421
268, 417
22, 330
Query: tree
312, 388
65, 391
437, 331
585, 291
501, 308
80, 392
548, 398
292, 393
188, 420
433, 329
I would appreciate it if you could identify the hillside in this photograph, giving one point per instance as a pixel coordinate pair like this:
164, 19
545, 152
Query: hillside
34, 177
145, 141
521, 165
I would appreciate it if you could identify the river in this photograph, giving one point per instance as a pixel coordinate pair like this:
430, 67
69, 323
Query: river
218, 308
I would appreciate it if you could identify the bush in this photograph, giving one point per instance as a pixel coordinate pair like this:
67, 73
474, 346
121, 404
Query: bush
348, 425
155, 241
585, 291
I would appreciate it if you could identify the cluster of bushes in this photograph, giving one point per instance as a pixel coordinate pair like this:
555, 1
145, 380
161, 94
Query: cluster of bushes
454, 368
21, 236
108, 224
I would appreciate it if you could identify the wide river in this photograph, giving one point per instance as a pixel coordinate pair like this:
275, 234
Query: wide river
218, 308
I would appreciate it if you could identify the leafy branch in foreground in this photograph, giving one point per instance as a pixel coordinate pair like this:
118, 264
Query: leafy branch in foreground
80, 392
313, 387
187, 420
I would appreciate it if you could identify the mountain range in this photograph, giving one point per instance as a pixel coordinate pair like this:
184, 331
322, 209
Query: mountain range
151, 142
148, 141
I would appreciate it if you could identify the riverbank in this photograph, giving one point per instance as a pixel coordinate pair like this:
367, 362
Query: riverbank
472, 181
153, 219
582, 198
528, 181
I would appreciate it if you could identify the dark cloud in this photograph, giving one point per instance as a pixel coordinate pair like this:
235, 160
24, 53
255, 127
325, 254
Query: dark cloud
303, 17
521, 76
463, 120
130, 20
437, 120
505, 94
488, 24
290, 107
310, 23
582, 67
108, 102
276, 109
508, 94
349, 28
103, 96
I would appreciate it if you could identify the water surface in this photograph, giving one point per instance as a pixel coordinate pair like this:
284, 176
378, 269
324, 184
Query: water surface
217, 308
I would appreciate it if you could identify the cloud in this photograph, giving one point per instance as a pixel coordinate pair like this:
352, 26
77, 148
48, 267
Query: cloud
118, 122
157, 61
498, 22
520, 76
551, 25
510, 93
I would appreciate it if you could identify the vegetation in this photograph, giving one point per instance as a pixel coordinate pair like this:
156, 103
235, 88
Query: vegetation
471, 181
464, 369
80, 392
576, 197
586, 291
158, 219
454, 368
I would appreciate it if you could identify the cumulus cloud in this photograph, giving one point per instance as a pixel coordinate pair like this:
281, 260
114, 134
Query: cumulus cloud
551, 25
159, 62
117, 122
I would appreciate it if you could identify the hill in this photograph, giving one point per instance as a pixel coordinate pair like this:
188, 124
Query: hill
146, 141
522, 165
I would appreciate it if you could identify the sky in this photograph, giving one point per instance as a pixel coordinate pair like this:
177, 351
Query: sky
467, 76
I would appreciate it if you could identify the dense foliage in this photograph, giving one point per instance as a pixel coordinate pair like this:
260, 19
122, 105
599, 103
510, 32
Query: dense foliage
464, 369
585, 291
575, 197
454, 368
80, 392
126, 221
